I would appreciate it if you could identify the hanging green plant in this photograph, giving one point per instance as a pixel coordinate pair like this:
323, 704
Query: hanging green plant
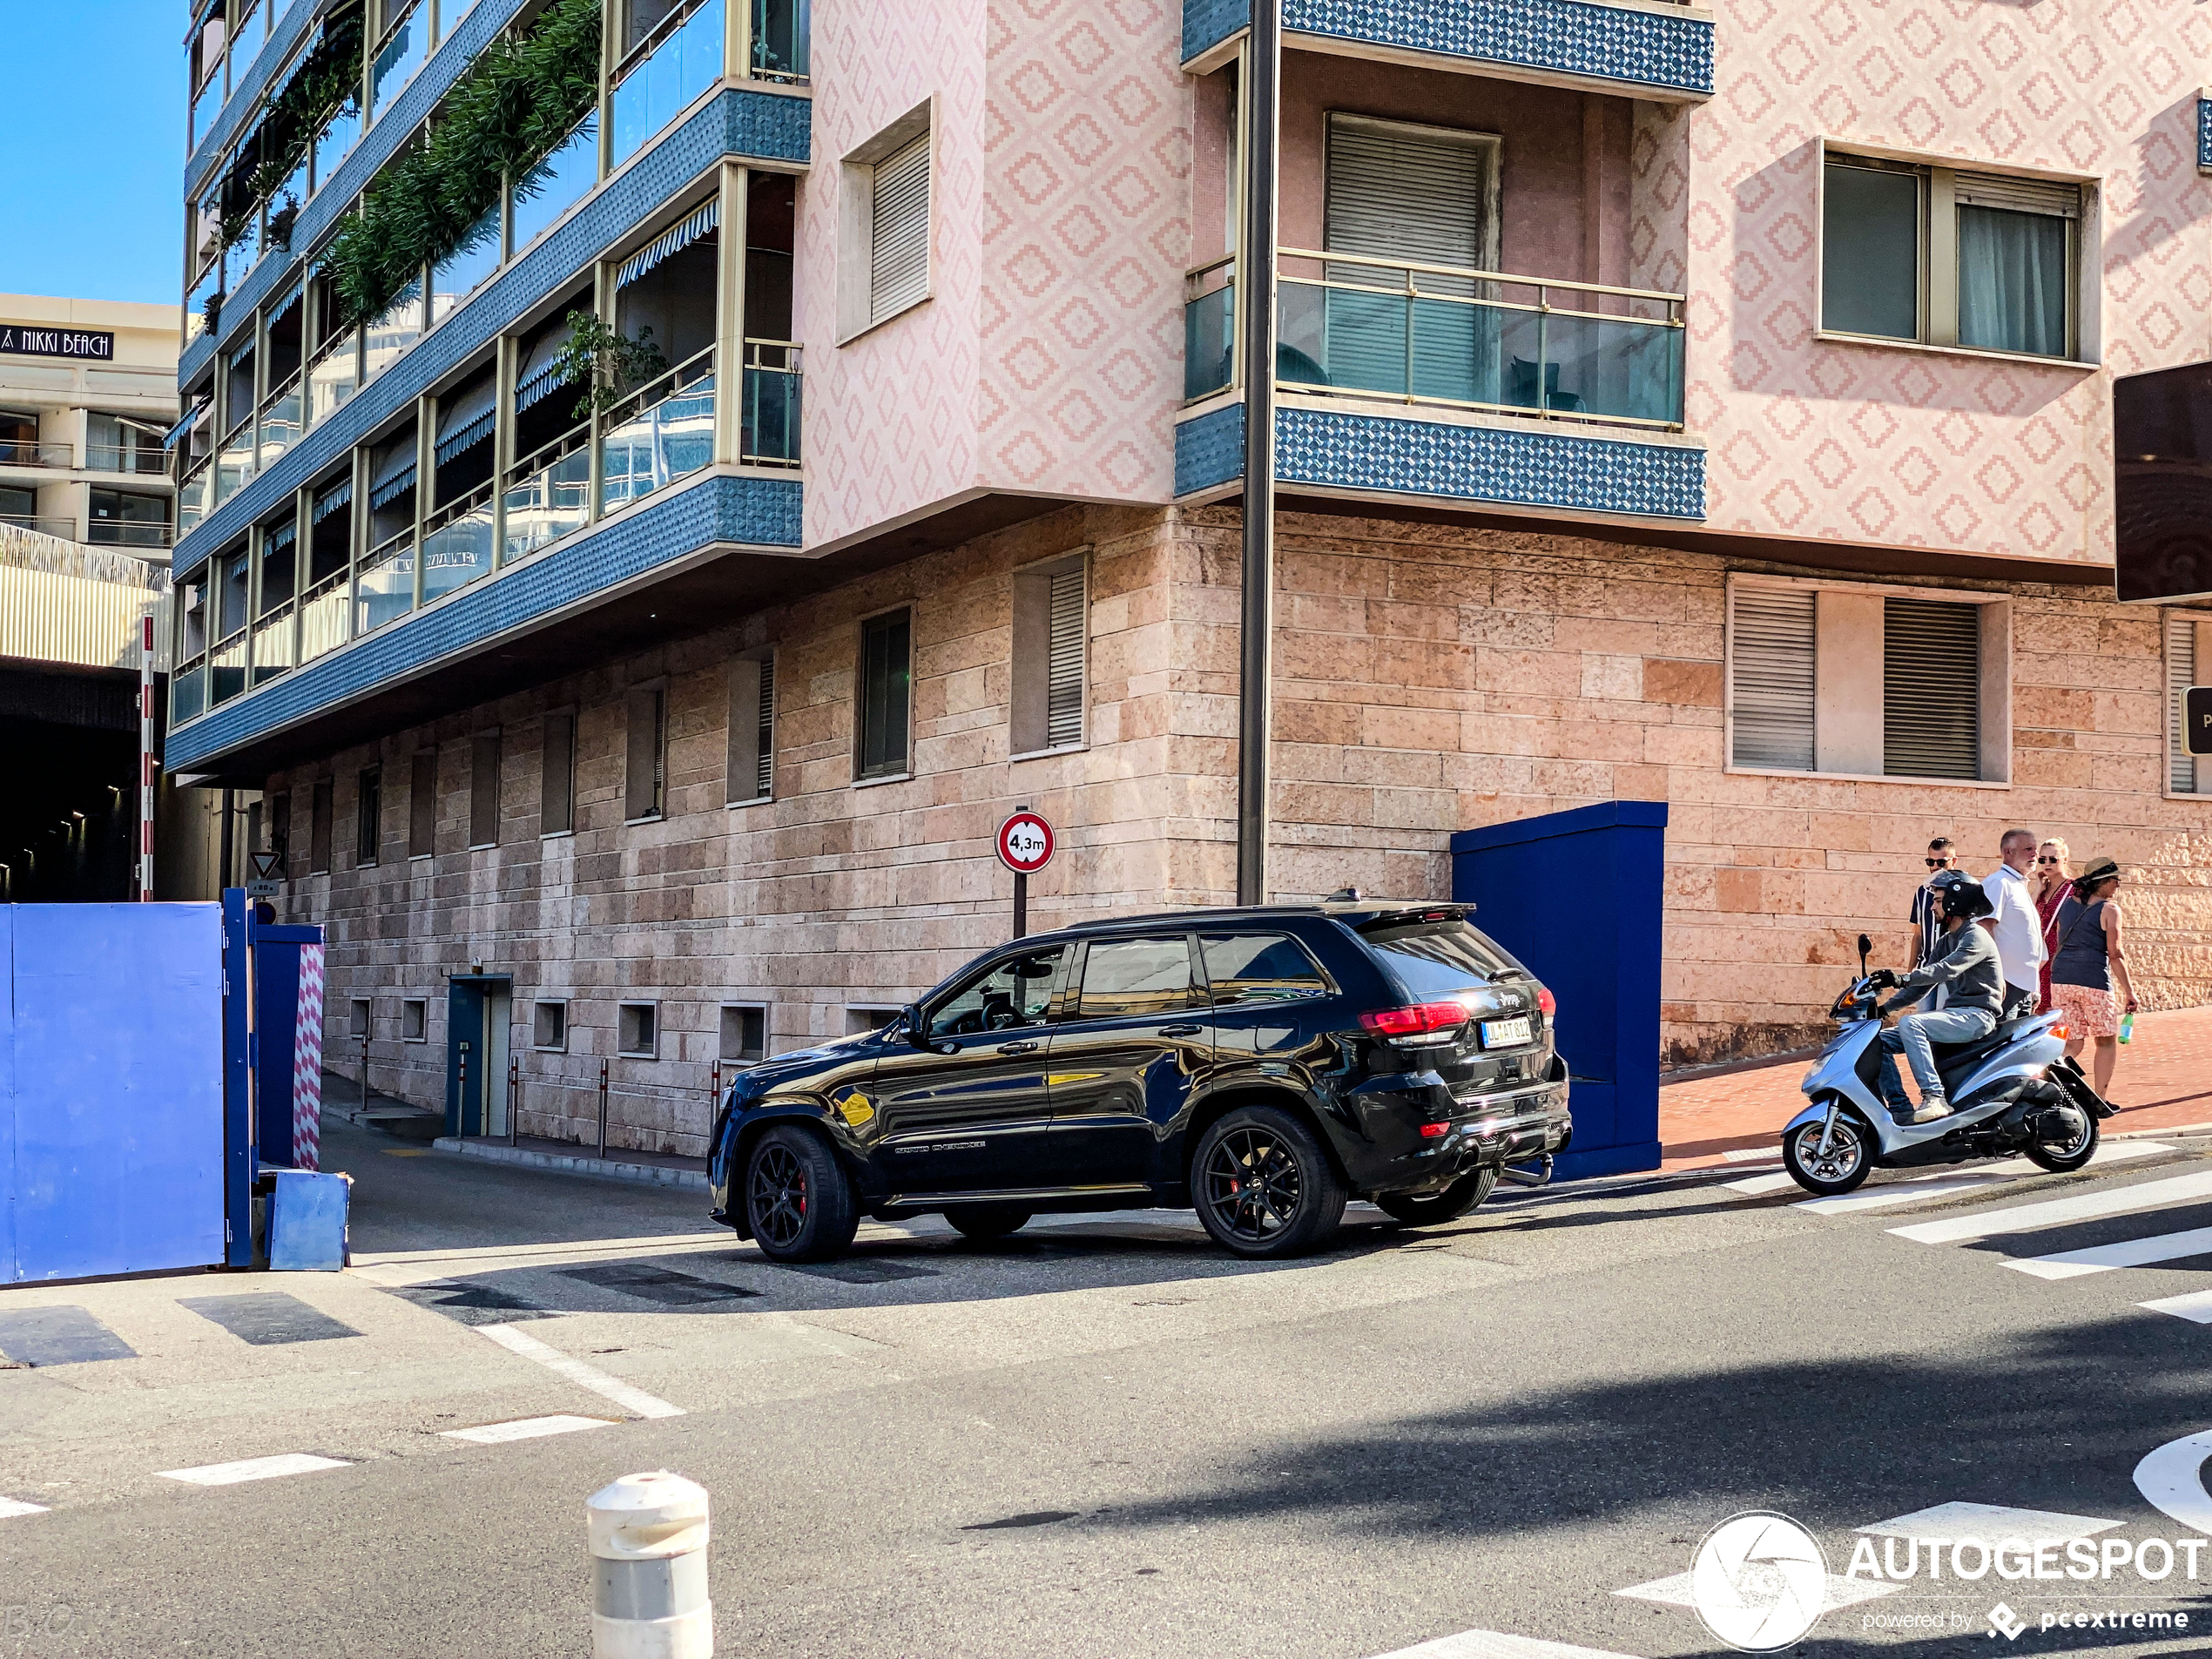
328, 79
598, 356
516, 104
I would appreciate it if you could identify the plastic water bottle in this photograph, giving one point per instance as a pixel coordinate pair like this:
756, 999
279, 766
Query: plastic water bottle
2126, 1028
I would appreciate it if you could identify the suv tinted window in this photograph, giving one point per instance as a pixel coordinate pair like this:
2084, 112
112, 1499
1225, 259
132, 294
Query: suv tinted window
1123, 978
1260, 968
1014, 991
1435, 958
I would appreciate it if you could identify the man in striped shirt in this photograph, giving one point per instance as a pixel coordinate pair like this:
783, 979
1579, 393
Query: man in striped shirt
1927, 903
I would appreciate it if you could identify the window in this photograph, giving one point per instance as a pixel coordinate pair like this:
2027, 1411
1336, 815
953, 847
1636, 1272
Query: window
1131, 978
556, 784
2188, 662
368, 816
1438, 958
1260, 968
883, 265
423, 805
637, 1032
744, 1034
1013, 991
859, 1021
483, 789
887, 675
362, 1018
1050, 626
318, 817
645, 786
549, 1027
1856, 681
399, 57
121, 519
1950, 257
751, 775
415, 1019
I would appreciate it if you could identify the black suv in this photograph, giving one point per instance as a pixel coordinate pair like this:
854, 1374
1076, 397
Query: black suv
1263, 1066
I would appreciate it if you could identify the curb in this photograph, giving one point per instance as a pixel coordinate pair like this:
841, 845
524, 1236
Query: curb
651, 1174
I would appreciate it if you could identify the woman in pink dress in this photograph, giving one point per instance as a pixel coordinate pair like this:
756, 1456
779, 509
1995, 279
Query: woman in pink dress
2053, 876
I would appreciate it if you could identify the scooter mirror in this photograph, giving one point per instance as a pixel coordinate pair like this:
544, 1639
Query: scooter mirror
1865, 945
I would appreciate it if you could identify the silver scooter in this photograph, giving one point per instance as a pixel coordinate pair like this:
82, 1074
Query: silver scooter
2015, 1092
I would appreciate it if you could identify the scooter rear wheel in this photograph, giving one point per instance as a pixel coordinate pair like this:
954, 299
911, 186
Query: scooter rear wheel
2067, 1157
1848, 1161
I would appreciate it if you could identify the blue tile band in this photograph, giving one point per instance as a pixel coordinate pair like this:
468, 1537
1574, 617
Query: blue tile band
1581, 472
760, 512
1210, 450
2204, 134
682, 156
1206, 23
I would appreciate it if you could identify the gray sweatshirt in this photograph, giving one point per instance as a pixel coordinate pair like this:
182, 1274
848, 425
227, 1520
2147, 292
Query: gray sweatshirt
1966, 964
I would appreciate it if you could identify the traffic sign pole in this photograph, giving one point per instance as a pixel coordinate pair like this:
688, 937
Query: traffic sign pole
1021, 905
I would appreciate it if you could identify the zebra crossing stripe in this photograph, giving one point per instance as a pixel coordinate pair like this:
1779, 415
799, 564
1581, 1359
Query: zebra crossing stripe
1491, 1644
2196, 1307
2089, 1206
2103, 1258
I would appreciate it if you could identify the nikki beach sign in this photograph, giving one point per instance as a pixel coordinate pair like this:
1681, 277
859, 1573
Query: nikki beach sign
28, 339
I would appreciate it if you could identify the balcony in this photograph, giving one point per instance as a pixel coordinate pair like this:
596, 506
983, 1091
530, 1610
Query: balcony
27, 452
1655, 49
1398, 377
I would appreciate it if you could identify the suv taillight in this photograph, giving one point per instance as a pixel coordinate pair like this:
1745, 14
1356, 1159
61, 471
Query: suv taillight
1546, 1002
1420, 1019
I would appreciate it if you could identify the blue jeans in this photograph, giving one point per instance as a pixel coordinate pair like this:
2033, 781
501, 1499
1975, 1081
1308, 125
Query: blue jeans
1916, 1036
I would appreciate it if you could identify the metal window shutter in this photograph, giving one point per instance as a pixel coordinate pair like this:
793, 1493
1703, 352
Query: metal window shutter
899, 247
1063, 720
1775, 639
1403, 192
765, 761
2017, 195
1931, 689
2181, 674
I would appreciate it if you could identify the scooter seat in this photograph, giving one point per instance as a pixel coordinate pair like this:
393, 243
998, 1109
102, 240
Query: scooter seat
1953, 1060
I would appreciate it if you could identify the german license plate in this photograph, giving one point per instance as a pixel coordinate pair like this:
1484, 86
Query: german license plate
1505, 1034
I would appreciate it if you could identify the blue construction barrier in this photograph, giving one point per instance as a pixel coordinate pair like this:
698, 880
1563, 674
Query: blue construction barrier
1578, 897
111, 1098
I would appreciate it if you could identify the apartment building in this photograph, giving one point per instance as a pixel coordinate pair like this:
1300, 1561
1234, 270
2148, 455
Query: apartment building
662, 481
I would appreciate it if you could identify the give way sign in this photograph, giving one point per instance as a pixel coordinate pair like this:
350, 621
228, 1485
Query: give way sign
1025, 843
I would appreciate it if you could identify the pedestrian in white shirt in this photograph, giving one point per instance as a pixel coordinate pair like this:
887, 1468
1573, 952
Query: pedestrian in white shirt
2012, 920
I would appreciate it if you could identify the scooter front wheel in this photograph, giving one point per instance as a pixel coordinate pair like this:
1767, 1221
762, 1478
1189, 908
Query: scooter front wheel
1848, 1160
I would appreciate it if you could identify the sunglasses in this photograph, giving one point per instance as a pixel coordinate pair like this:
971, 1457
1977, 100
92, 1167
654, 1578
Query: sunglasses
2050, 860
1935, 864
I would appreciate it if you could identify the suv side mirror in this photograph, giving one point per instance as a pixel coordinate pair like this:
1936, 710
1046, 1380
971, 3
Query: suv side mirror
917, 1033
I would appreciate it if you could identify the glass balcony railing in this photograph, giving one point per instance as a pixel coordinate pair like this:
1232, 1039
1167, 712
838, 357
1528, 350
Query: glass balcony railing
659, 435
322, 614
467, 267
769, 421
401, 53
210, 284
336, 140
234, 463
31, 453
61, 529
385, 587
457, 545
151, 535
390, 335
274, 645
557, 183
333, 379
1209, 325
193, 503
227, 669
188, 691
678, 62
780, 32
205, 106
147, 459
548, 497
1479, 340
280, 424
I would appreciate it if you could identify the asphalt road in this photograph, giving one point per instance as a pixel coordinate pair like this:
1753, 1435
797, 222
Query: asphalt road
1102, 1437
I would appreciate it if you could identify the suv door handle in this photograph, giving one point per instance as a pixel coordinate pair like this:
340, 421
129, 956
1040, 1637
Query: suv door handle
1181, 1030
1017, 1048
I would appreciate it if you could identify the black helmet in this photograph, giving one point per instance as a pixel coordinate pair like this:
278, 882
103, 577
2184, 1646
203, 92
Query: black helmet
1962, 895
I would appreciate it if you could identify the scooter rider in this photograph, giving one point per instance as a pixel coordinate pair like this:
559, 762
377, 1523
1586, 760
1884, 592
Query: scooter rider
1966, 967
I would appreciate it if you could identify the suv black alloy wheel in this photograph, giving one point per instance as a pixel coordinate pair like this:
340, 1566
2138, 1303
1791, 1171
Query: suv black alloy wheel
799, 1198
1264, 1187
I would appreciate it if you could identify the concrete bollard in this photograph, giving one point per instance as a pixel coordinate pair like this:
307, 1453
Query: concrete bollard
649, 1569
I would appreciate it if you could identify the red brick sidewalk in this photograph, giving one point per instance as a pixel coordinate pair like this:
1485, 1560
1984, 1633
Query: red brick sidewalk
2164, 1081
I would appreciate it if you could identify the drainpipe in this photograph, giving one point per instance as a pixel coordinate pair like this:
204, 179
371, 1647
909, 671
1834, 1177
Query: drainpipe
1263, 80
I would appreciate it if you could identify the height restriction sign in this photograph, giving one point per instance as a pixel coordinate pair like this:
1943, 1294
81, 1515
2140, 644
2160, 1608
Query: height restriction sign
2196, 720
1025, 843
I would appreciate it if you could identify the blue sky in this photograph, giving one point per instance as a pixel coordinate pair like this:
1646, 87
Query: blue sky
92, 193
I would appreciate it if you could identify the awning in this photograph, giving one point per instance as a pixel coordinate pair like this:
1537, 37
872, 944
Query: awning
338, 495
465, 418
670, 242
282, 537
541, 375
393, 474
177, 433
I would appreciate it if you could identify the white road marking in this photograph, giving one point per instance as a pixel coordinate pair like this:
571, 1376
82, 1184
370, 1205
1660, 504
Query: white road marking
1991, 1523
1761, 1183
1489, 1645
9, 1507
2197, 1306
1749, 1155
2089, 1206
2169, 1479
522, 1252
636, 1401
2103, 1258
527, 1428
253, 1468
1839, 1592
1897, 1192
